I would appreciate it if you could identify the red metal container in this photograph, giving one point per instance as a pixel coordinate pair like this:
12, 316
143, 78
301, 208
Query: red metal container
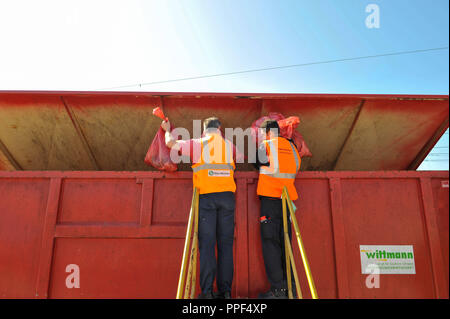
74, 190
125, 231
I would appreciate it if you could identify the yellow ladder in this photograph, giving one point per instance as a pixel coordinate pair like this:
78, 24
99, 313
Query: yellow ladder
288, 251
189, 288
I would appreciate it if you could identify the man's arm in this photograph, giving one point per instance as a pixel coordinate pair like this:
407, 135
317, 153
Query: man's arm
261, 157
168, 138
184, 147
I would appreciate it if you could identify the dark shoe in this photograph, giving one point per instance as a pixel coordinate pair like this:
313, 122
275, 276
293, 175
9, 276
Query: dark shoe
274, 294
207, 295
222, 295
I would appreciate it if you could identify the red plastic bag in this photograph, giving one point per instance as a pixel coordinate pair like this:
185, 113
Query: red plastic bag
158, 154
287, 130
288, 126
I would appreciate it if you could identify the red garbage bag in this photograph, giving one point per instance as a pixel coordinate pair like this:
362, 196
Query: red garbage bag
287, 130
288, 126
158, 154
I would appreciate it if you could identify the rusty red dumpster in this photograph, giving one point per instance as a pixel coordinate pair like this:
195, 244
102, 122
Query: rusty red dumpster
74, 192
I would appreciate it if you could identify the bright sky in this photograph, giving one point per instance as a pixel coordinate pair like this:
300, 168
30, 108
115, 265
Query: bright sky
93, 45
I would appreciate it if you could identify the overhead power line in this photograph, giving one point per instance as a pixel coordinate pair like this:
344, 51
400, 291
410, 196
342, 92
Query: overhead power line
277, 68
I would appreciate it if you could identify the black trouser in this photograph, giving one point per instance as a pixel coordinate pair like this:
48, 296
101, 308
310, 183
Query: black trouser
216, 223
272, 240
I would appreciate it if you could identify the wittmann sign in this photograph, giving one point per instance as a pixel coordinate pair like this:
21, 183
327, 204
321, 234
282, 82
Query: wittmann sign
392, 259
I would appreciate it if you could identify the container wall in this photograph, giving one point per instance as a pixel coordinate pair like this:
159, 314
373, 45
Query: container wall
112, 131
124, 231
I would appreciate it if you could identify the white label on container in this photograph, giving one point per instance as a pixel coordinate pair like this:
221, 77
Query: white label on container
389, 259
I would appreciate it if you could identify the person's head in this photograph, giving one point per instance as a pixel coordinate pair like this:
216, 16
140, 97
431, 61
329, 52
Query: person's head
211, 123
270, 128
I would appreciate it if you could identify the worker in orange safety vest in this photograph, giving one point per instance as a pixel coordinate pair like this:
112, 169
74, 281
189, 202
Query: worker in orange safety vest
278, 162
213, 174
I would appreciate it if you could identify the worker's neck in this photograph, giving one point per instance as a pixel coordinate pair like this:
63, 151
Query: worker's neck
210, 131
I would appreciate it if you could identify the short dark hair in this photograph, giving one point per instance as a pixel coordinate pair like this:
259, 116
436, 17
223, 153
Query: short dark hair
270, 125
211, 122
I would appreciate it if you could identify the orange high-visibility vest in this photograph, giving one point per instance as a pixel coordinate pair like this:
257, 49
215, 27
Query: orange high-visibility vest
284, 165
215, 170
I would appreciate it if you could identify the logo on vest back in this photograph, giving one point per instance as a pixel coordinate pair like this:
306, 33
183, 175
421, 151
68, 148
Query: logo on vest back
218, 173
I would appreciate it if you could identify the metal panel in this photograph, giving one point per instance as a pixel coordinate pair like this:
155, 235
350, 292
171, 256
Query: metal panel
388, 132
386, 212
117, 267
113, 130
21, 229
113, 226
440, 195
91, 201
37, 133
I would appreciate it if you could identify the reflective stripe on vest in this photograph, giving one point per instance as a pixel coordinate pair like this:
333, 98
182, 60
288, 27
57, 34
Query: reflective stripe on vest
297, 164
276, 166
212, 166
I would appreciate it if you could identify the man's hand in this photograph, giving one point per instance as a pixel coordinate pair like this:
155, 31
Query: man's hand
165, 125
